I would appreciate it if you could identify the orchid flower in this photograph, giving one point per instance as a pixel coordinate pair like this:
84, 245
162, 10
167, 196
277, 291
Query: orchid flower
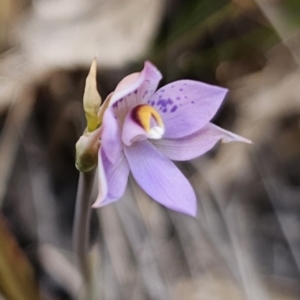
143, 130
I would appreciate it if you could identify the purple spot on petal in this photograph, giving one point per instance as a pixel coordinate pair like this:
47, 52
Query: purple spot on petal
180, 90
135, 91
178, 98
192, 102
163, 103
164, 110
173, 108
152, 103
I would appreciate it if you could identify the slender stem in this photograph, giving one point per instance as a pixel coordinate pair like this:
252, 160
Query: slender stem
81, 229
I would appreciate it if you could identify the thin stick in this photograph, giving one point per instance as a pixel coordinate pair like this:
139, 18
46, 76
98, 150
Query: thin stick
81, 229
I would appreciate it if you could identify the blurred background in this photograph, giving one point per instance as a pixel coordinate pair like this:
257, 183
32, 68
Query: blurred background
245, 242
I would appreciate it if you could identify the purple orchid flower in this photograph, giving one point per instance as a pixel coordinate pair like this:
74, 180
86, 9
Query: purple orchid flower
144, 129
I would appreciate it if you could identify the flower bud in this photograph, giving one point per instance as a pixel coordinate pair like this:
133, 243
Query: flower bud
92, 99
87, 149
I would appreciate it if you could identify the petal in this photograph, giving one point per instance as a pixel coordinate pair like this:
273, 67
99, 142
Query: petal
112, 179
127, 85
186, 106
102, 181
160, 178
111, 135
135, 89
196, 144
104, 106
152, 77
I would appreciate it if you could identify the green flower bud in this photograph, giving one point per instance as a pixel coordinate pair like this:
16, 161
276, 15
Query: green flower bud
87, 149
92, 99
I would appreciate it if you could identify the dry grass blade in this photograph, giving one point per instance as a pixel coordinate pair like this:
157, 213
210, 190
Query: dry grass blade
110, 286
118, 250
17, 280
276, 195
237, 236
280, 22
140, 243
15, 122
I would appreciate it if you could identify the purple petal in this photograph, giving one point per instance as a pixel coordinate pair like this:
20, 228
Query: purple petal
135, 89
160, 178
186, 106
112, 179
102, 181
196, 144
111, 136
151, 79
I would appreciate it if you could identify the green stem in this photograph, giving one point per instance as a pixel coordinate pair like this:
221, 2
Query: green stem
81, 231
